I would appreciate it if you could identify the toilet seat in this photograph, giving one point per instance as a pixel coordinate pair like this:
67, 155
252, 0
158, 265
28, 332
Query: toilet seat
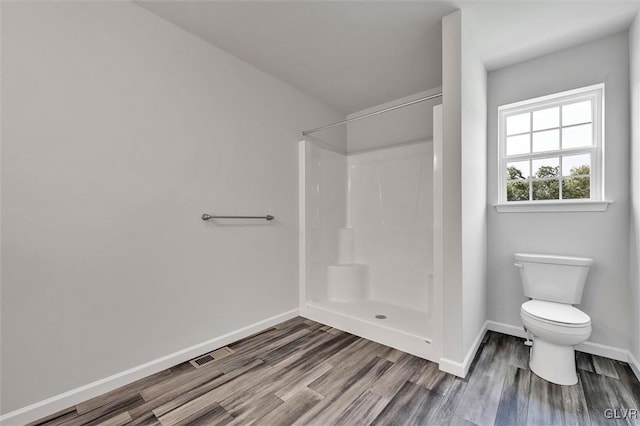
559, 314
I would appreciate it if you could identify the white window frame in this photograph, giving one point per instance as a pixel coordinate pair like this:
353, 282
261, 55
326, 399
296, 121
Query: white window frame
596, 202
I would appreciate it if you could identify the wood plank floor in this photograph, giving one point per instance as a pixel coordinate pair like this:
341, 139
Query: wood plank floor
301, 372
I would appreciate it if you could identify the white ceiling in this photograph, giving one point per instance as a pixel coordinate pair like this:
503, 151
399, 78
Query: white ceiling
508, 32
357, 54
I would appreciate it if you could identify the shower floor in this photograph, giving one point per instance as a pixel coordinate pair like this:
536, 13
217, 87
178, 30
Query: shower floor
398, 318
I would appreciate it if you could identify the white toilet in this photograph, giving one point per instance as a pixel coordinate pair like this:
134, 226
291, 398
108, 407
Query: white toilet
554, 283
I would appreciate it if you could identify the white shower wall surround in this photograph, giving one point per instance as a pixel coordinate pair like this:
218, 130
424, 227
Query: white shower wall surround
324, 214
390, 206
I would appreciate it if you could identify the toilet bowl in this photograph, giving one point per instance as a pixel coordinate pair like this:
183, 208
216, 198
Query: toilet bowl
557, 328
554, 283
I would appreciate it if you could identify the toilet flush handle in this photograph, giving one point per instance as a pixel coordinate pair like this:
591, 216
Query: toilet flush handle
518, 265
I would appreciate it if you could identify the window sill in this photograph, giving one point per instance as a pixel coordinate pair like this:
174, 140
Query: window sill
552, 206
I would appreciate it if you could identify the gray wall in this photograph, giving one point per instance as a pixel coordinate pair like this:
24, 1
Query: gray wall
447, 274
119, 130
602, 236
463, 165
412, 123
474, 190
634, 50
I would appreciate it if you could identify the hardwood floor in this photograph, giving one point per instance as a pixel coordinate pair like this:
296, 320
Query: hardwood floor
302, 372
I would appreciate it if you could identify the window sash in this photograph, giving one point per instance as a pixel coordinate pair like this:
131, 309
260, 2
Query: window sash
547, 154
547, 129
596, 150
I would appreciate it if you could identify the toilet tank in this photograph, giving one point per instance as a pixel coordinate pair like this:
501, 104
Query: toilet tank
553, 278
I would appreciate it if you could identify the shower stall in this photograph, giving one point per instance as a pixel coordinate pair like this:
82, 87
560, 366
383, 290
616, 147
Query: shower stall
366, 241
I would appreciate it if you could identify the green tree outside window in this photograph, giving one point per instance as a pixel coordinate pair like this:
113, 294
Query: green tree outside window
576, 186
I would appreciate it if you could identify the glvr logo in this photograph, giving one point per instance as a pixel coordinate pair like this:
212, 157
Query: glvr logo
621, 413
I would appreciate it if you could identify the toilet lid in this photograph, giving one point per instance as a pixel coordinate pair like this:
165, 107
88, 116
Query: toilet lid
555, 312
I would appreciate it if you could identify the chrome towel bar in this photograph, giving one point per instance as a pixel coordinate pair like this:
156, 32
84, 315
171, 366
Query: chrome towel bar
207, 217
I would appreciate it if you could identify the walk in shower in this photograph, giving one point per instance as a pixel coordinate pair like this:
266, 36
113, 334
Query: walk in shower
366, 252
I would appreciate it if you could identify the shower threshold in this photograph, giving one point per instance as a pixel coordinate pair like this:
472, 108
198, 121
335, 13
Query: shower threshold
403, 328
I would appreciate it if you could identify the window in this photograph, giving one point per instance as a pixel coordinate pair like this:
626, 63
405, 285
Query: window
551, 149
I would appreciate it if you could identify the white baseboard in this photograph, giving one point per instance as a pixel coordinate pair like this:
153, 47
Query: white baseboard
511, 330
461, 369
604, 351
634, 364
588, 347
75, 396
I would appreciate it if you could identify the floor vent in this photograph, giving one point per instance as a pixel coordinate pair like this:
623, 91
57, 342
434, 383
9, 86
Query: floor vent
211, 356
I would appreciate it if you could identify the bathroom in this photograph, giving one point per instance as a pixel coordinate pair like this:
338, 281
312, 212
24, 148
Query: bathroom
124, 122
